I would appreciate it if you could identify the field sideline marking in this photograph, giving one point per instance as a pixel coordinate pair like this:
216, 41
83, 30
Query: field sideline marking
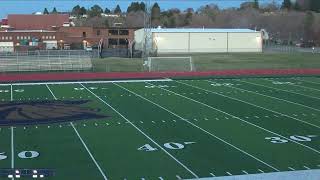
250, 91
82, 141
194, 125
236, 99
12, 138
291, 92
138, 129
236, 117
90, 82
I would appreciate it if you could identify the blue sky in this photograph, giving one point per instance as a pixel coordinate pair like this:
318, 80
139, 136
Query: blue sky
30, 6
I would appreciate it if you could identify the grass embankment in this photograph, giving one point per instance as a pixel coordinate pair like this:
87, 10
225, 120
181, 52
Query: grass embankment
205, 62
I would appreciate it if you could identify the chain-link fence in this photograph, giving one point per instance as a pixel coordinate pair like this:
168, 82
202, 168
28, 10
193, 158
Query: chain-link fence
45, 60
275, 48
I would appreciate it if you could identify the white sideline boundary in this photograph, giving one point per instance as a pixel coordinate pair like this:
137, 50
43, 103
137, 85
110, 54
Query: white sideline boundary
286, 175
87, 82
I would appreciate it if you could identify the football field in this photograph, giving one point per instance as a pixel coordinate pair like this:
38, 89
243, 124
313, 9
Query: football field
159, 129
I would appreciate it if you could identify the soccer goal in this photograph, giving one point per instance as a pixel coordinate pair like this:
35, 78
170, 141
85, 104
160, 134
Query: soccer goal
170, 64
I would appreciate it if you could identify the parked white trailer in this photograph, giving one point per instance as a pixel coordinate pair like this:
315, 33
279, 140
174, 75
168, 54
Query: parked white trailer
193, 40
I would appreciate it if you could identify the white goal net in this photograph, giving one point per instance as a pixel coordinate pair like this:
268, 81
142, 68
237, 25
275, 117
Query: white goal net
170, 64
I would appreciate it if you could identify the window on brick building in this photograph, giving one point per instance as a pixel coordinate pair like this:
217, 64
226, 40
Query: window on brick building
113, 32
113, 41
123, 42
124, 32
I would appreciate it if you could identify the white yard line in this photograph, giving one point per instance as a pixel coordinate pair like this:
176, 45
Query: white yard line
12, 148
296, 119
203, 130
91, 82
236, 117
143, 133
277, 89
12, 136
55, 98
273, 97
82, 141
89, 152
11, 96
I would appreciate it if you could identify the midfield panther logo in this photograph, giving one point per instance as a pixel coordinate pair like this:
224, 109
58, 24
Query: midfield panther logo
46, 112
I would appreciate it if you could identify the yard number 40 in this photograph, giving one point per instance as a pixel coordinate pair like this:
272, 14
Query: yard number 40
169, 145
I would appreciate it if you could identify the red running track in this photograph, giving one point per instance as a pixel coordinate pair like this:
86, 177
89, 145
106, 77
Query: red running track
148, 75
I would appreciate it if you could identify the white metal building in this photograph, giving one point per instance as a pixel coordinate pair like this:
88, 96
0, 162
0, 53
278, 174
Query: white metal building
191, 40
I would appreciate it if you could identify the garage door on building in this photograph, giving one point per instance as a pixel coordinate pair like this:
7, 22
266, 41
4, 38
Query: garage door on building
51, 44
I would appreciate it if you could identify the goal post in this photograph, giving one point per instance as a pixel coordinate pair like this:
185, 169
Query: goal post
170, 63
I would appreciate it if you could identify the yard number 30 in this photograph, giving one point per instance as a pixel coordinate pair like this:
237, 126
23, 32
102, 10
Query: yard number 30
279, 140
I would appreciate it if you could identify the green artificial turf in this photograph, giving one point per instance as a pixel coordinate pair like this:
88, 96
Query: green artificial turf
170, 129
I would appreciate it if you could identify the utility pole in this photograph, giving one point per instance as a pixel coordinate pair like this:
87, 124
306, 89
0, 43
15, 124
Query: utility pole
147, 29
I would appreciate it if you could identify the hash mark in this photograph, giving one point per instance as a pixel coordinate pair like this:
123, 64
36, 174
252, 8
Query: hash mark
212, 174
160, 178
178, 177
312, 136
306, 167
187, 143
163, 121
245, 172
291, 168
229, 173
260, 170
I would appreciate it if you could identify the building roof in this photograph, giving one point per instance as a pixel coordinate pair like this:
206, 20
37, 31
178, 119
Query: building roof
31, 21
199, 30
28, 31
